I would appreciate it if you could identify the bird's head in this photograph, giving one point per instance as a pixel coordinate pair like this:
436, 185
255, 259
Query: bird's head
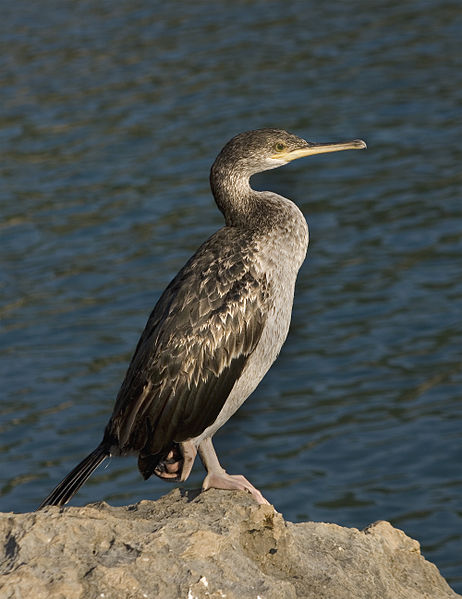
263, 149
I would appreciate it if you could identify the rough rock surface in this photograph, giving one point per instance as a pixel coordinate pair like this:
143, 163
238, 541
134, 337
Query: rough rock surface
213, 545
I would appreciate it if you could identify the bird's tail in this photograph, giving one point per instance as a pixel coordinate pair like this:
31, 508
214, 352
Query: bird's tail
69, 486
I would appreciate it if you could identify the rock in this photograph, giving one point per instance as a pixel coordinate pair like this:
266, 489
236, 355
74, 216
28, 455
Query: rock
211, 545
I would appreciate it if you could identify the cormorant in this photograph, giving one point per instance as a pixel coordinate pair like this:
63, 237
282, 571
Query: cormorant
216, 329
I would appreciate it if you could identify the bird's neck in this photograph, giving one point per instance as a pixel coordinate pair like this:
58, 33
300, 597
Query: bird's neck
262, 212
233, 194
275, 218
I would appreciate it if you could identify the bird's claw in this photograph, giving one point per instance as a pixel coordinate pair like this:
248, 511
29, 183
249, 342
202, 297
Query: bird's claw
232, 482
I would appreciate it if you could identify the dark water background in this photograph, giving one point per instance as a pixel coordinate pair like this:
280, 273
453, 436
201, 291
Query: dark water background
110, 116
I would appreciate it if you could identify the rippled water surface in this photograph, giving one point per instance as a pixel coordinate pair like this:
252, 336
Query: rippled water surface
110, 116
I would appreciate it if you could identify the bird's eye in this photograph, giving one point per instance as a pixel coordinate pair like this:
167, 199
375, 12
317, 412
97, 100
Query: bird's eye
279, 146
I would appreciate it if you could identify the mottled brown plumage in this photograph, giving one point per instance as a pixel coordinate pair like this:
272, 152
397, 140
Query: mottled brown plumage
216, 329
193, 349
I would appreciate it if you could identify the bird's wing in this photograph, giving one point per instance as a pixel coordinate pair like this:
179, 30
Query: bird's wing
193, 349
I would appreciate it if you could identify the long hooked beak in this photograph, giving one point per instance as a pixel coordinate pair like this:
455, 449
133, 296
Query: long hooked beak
320, 148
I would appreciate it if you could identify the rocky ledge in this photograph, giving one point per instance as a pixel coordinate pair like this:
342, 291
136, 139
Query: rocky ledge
213, 545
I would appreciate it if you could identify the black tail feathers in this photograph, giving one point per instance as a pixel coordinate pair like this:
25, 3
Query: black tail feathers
69, 486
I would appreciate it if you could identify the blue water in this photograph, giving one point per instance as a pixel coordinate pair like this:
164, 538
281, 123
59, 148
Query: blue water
110, 117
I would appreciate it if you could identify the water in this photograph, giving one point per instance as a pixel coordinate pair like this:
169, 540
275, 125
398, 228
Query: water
111, 115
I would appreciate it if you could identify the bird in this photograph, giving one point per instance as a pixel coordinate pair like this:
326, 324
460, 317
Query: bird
216, 329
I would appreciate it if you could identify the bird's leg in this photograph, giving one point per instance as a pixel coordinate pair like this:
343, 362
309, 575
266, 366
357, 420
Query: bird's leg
189, 455
217, 478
